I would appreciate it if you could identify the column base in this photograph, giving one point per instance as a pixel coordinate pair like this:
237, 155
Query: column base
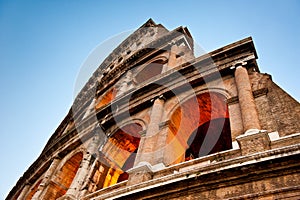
67, 197
142, 172
254, 141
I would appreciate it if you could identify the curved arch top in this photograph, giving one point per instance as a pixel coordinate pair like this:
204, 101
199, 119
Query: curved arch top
205, 114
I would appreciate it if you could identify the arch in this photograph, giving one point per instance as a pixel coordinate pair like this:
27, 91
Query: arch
198, 127
198, 91
64, 177
140, 122
150, 70
117, 156
106, 98
33, 190
120, 150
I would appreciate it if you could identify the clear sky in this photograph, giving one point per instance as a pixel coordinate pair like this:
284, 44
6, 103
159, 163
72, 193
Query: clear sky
44, 43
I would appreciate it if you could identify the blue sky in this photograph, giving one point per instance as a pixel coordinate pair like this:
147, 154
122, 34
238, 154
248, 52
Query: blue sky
44, 43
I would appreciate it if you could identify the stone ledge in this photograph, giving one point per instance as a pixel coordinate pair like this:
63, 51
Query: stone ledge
197, 171
277, 141
143, 172
67, 197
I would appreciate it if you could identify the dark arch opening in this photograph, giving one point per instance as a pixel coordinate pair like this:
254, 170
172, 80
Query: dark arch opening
211, 137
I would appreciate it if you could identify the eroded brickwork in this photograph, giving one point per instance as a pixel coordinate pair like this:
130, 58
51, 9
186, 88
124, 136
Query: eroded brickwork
285, 110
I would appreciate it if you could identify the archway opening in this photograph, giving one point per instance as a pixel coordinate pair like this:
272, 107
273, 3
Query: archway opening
118, 155
198, 127
106, 98
64, 177
211, 137
33, 190
150, 71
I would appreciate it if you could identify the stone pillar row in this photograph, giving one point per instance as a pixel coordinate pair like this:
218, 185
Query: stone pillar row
76, 183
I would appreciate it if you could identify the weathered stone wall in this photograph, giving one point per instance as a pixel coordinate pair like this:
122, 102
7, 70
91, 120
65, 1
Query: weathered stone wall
266, 118
285, 110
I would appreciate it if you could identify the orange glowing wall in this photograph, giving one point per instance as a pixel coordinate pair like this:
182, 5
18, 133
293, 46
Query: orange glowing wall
63, 179
119, 152
190, 115
33, 190
108, 97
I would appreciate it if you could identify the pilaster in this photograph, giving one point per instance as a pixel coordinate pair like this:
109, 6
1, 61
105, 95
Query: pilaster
124, 86
254, 139
148, 143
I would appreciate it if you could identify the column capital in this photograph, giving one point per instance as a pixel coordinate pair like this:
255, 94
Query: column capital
238, 65
242, 62
162, 97
56, 157
27, 183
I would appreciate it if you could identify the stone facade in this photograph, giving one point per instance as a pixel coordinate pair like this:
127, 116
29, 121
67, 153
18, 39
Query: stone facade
156, 122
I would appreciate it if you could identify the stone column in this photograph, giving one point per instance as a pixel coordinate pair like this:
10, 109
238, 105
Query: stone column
150, 140
83, 170
254, 140
46, 179
246, 100
146, 159
24, 192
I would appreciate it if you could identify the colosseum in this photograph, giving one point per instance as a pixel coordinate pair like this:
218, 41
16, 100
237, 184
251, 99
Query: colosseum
156, 122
